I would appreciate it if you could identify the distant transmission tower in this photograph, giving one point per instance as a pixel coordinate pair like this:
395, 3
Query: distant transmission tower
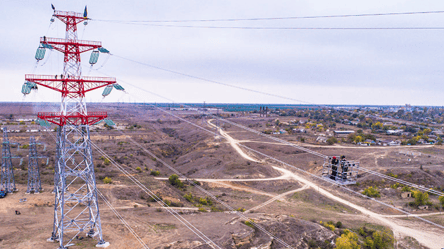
7, 173
76, 208
34, 183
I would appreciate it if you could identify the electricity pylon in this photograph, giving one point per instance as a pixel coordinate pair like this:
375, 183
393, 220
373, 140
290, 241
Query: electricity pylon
7, 172
76, 206
34, 182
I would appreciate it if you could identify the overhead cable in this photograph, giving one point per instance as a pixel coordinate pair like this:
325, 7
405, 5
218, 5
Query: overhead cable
173, 212
276, 18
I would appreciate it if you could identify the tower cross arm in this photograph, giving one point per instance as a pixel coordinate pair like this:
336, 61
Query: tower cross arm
67, 45
72, 86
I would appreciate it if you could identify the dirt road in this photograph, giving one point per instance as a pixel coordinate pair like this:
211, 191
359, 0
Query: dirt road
427, 237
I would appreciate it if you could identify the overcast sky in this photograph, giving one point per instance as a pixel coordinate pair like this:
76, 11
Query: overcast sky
385, 67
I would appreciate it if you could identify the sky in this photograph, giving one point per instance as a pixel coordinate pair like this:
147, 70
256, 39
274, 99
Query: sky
365, 67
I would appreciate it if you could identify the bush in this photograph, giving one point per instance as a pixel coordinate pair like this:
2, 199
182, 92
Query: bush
420, 198
155, 172
328, 225
378, 240
348, 240
188, 197
249, 223
371, 192
203, 201
202, 210
139, 169
175, 181
106, 161
332, 140
240, 209
441, 200
107, 180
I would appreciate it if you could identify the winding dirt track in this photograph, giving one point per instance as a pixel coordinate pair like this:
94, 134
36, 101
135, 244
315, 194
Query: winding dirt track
422, 233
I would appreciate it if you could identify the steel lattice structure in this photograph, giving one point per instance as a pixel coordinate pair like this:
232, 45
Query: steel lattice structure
76, 208
7, 172
34, 183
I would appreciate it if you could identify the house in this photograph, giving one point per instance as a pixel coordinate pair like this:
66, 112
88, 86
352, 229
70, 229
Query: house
395, 143
281, 131
406, 195
424, 207
299, 130
321, 139
343, 133
369, 142
384, 142
420, 141
394, 132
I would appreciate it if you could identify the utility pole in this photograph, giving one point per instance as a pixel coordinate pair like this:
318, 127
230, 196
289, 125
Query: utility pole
34, 183
76, 207
7, 172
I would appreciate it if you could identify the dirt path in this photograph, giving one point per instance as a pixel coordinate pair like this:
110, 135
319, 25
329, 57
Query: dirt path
423, 235
233, 143
277, 197
336, 146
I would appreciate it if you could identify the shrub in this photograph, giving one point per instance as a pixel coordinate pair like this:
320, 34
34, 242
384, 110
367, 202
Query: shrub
202, 210
106, 161
420, 198
188, 197
139, 169
107, 180
249, 223
378, 240
406, 189
203, 201
371, 192
155, 172
392, 175
338, 224
348, 240
241, 209
175, 181
441, 200
332, 140
215, 209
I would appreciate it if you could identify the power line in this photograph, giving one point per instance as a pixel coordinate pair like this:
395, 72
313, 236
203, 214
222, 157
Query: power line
114, 210
122, 219
275, 18
173, 212
294, 145
289, 28
299, 169
202, 189
211, 81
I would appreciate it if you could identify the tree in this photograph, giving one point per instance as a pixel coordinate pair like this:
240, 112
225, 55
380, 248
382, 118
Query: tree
348, 240
441, 200
107, 180
371, 192
175, 181
377, 126
420, 198
358, 139
332, 140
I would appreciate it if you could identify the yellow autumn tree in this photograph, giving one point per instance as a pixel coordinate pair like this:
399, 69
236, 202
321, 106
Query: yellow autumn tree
348, 240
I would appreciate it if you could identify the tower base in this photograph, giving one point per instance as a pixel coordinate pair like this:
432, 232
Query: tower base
102, 244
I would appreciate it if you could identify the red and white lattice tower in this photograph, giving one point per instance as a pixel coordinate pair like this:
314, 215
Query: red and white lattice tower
76, 210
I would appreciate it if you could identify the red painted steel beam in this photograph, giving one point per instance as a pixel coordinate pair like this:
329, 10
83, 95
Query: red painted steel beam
73, 119
72, 87
60, 44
